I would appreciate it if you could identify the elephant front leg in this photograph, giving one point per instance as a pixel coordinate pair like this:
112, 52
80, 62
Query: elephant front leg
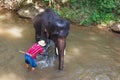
37, 38
37, 34
61, 43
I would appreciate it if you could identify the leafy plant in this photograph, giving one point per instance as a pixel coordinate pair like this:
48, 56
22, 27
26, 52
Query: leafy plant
88, 12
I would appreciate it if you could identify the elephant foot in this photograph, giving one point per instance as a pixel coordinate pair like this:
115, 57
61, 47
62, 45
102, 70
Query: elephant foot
60, 68
60, 71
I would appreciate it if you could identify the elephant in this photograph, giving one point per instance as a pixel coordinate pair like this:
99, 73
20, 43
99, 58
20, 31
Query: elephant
49, 25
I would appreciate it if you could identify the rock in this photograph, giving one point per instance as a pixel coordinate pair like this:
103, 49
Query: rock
115, 27
24, 8
28, 11
11, 4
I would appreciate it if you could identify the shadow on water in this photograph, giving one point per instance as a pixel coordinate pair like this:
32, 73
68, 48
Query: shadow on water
91, 54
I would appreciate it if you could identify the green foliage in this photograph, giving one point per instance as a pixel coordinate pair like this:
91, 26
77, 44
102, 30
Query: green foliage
68, 13
46, 2
88, 12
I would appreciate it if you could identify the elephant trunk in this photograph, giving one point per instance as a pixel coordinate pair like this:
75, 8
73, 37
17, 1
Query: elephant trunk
61, 47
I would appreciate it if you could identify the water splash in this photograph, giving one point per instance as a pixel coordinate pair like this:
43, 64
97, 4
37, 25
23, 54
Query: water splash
47, 59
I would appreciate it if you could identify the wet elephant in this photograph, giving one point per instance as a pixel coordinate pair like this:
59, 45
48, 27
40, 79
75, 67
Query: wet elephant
49, 25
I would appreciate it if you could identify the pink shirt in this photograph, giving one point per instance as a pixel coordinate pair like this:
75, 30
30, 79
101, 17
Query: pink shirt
35, 50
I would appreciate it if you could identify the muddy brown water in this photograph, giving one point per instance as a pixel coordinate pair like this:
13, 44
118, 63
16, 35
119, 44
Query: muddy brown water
91, 54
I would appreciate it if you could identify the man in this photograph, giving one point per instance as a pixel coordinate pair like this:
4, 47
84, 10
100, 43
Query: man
32, 52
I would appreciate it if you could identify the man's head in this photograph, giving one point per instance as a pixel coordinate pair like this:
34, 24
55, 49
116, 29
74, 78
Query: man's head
42, 43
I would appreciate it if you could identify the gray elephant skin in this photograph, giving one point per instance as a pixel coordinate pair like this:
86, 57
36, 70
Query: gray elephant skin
49, 25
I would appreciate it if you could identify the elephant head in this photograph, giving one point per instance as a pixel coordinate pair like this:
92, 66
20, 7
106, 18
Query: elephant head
59, 32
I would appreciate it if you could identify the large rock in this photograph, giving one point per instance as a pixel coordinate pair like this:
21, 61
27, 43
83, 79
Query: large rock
115, 27
28, 11
25, 8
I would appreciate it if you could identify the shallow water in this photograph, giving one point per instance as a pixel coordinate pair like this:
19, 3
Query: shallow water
91, 54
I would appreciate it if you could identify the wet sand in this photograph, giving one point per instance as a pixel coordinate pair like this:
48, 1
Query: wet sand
91, 54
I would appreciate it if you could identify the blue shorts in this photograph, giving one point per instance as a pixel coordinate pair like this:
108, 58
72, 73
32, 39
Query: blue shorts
30, 60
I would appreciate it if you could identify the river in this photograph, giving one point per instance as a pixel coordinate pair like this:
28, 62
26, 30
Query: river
91, 53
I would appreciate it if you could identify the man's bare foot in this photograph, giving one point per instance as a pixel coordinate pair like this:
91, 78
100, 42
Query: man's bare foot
27, 66
32, 69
